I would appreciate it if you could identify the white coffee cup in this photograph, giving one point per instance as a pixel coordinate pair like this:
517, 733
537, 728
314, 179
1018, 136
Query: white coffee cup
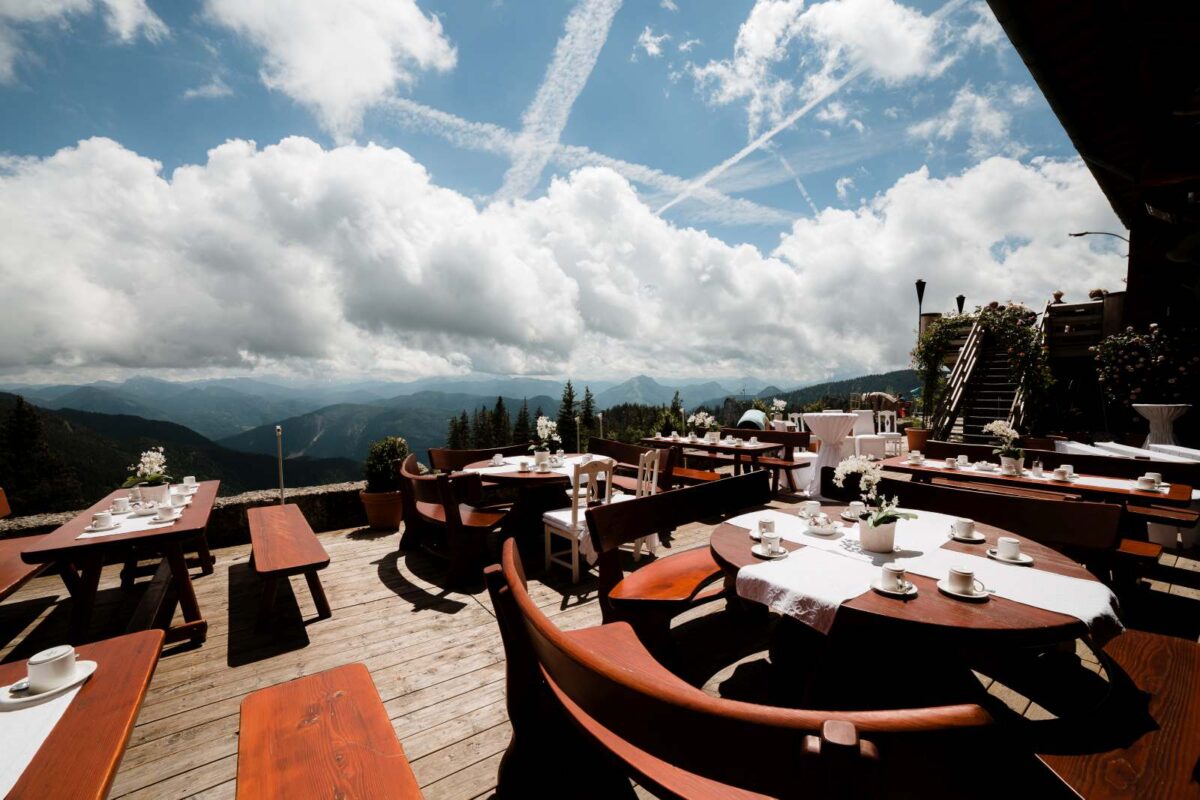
951, 463
810, 507
857, 508
1156, 477
674, 434
586, 458
543, 467
166, 512
964, 528
497, 460
963, 581
963, 460
766, 526
1070, 470
1146, 483
102, 519
523, 465
892, 578
753, 440
51, 668
189, 481
1008, 547
1060, 473
120, 505
179, 499
770, 543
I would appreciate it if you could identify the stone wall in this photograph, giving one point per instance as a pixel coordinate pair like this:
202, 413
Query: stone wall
330, 507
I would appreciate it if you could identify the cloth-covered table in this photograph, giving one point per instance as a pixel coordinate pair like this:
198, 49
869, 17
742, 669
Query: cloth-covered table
831, 430
1162, 418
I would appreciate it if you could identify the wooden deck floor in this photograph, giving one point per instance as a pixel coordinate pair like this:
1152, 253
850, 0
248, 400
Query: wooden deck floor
435, 656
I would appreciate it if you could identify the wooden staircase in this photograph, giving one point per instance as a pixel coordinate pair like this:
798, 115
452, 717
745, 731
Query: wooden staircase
979, 390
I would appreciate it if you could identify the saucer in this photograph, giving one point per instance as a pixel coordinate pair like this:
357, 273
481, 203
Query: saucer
830, 531
846, 515
142, 511
978, 538
114, 512
94, 529
157, 521
920, 463
756, 536
974, 597
1024, 559
910, 589
759, 551
11, 702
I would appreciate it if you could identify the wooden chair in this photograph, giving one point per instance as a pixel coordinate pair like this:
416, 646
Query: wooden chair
1144, 739
780, 466
577, 696
893, 439
447, 460
627, 458
652, 594
568, 523
445, 519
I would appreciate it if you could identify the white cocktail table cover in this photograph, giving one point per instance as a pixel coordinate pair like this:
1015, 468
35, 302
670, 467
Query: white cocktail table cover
831, 429
1162, 418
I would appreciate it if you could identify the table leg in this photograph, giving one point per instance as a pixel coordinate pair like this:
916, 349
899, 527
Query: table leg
195, 627
82, 587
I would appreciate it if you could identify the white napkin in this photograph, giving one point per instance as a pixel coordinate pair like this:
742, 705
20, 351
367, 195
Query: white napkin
1090, 601
809, 585
128, 523
22, 733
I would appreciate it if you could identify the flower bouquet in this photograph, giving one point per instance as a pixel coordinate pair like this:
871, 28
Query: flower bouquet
1012, 458
547, 438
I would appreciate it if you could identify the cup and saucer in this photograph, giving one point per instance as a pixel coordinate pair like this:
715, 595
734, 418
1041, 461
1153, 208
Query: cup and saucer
962, 584
963, 530
1008, 551
775, 554
50, 673
165, 515
102, 521
121, 506
821, 525
854, 511
145, 509
892, 582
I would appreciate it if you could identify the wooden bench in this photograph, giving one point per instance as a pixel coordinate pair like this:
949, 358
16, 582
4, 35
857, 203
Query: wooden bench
784, 465
14, 573
1146, 737
281, 545
321, 736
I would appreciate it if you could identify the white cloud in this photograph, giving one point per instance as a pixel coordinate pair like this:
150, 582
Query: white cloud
687, 45
844, 186
651, 44
213, 90
339, 59
351, 260
985, 118
125, 19
984, 31
669, 5
542, 124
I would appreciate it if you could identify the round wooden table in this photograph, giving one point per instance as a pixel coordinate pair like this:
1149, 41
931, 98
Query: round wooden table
528, 479
998, 621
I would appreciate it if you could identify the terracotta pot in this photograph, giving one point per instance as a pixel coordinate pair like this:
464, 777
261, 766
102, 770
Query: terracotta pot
880, 539
917, 438
384, 510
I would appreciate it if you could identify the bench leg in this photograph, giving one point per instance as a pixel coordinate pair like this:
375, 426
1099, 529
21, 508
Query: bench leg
266, 600
318, 594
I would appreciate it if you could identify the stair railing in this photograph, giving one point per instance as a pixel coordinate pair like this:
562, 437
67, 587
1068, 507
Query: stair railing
956, 386
1017, 412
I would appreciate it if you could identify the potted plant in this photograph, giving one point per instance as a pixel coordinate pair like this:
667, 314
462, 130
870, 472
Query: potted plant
381, 498
150, 477
703, 421
547, 438
877, 527
1012, 458
778, 406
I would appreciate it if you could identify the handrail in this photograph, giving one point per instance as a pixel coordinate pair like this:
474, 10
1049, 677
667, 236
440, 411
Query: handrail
960, 377
1016, 413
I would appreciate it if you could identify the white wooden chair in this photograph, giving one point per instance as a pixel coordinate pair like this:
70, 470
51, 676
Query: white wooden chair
893, 440
647, 481
798, 420
570, 524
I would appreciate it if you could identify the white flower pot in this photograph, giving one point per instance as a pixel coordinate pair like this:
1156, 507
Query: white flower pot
713, 436
877, 539
1012, 466
541, 456
159, 495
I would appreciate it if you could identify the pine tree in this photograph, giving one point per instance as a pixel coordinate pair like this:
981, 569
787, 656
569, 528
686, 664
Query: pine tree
677, 420
457, 438
566, 416
464, 429
501, 425
522, 430
482, 429
587, 415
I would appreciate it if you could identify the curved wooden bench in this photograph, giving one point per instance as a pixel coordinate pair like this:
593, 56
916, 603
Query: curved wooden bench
679, 741
321, 736
283, 544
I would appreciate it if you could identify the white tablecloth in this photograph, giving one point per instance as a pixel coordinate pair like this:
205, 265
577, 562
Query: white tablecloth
1124, 450
831, 430
1079, 449
1162, 418
812, 589
23, 732
1175, 450
128, 523
512, 464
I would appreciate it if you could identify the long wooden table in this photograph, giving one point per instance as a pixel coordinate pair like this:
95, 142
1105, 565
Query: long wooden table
752, 451
1178, 495
80, 757
81, 560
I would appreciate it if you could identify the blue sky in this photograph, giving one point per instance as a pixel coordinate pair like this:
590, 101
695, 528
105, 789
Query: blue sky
593, 149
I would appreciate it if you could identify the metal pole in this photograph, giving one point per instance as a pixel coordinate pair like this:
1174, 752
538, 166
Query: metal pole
279, 454
577, 448
600, 418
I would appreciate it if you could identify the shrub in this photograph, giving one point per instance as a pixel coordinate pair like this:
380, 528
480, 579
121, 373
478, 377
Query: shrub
380, 468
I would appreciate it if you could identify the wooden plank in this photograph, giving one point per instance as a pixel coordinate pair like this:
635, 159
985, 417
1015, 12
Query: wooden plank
318, 736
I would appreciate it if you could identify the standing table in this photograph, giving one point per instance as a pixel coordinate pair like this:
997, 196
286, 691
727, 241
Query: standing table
831, 430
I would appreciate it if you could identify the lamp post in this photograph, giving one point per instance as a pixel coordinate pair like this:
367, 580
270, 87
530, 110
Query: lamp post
600, 419
962, 298
920, 300
279, 454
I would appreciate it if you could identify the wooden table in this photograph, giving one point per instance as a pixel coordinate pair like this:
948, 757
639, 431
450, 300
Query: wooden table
79, 758
1179, 494
81, 560
754, 451
998, 620
524, 480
